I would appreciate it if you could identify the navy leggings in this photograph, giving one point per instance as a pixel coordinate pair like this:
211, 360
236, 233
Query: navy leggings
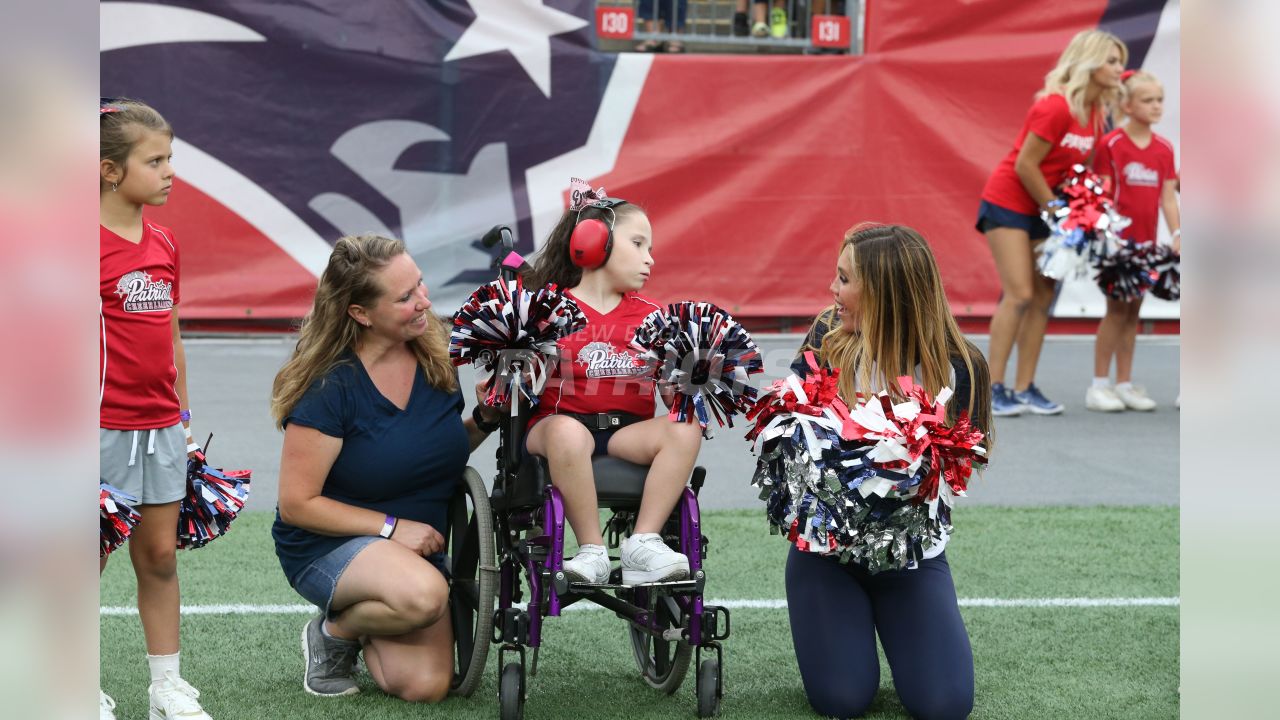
837, 610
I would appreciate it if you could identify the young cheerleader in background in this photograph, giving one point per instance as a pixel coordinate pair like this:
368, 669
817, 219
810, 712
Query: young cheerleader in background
144, 435
1144, 179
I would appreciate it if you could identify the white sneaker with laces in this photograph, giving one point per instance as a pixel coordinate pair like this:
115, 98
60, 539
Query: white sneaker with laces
590, 565
1135, 397
646, 559
106, 707
174, 699
1103, 399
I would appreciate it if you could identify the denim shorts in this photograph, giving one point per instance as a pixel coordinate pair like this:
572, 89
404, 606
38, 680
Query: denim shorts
994, 216
318, 582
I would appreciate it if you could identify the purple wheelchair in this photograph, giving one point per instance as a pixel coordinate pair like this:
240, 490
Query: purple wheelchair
507, 546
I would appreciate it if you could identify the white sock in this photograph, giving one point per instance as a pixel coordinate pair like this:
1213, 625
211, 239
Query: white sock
592, 548
1124, 386
1099, 382
160, 664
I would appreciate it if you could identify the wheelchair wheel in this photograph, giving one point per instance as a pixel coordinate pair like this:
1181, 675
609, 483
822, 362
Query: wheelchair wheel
511, 692
708, 688
662, 663
473, 587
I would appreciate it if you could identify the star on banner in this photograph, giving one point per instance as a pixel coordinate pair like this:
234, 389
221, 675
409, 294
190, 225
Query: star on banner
521, 27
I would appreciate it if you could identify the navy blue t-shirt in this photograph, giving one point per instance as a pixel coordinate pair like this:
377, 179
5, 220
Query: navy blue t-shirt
405, 463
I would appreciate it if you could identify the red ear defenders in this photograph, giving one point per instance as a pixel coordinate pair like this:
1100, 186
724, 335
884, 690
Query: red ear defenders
592, 239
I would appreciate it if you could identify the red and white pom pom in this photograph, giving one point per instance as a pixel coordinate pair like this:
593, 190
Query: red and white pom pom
509, 333
800, 403
1078, 227
912, 437
117, 518
214, 498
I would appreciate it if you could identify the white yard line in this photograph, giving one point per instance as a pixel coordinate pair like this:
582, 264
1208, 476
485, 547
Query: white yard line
1079, 602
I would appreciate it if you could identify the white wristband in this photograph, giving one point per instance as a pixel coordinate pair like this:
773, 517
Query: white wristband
1177, 233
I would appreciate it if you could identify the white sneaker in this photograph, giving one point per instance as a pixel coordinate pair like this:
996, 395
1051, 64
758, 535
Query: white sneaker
174, 699
106, 707
590, 565
1103, 399
1135, 397
646, 559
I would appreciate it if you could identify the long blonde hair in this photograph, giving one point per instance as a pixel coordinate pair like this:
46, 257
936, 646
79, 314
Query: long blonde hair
904, 322
1070, 78
328, 331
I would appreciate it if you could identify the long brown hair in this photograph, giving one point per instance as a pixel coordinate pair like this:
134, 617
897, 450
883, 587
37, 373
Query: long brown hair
328, 331
553, 264
905, 321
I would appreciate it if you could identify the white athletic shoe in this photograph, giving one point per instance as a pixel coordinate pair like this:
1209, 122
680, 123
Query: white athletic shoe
590, 565
174, 699
646, 559
106, 707
1103, 399
1135, 397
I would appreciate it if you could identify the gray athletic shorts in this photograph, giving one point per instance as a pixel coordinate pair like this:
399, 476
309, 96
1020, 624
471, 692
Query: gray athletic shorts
150, 465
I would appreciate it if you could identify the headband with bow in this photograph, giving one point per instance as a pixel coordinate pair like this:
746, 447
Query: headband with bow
581, 196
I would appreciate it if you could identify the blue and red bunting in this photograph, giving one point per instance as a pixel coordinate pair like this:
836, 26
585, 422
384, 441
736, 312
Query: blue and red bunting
872, 484
214, 498
704, 357
509, 333
117, 518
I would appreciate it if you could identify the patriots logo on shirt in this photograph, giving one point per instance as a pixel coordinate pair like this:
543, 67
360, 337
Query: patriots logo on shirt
142, 294
602, 360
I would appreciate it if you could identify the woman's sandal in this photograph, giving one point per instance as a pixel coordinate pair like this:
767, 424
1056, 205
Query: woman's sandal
673, 46
648, 46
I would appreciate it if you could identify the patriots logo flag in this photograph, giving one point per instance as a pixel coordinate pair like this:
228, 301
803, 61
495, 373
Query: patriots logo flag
432, 120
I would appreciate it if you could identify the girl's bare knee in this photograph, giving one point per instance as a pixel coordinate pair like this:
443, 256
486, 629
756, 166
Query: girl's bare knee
687, 434
567, 437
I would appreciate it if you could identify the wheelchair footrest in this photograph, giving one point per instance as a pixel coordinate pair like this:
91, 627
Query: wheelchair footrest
688, 584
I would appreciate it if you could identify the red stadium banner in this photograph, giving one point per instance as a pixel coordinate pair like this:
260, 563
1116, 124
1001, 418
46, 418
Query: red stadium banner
297, 123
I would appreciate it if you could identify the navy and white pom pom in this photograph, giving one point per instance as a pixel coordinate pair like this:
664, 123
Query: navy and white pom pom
1163, 264
117, 518
704, 356
214, 498
509, 333
1124, 272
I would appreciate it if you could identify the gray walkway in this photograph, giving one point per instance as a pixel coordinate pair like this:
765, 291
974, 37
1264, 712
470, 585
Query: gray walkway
1079, 457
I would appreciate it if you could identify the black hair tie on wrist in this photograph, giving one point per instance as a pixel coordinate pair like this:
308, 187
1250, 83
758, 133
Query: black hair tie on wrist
483, 425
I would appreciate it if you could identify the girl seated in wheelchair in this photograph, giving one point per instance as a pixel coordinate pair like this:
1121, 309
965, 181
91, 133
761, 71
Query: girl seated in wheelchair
599, 400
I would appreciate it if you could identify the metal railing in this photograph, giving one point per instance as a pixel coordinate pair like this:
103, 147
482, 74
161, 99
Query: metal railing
717, 26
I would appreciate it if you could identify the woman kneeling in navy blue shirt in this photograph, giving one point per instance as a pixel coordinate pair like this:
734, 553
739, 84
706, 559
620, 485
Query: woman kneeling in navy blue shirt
374, 446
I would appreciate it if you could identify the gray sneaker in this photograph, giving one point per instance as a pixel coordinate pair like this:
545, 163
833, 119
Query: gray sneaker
330, 662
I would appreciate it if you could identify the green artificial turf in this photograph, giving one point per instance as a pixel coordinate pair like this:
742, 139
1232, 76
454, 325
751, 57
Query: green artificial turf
1032, 662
